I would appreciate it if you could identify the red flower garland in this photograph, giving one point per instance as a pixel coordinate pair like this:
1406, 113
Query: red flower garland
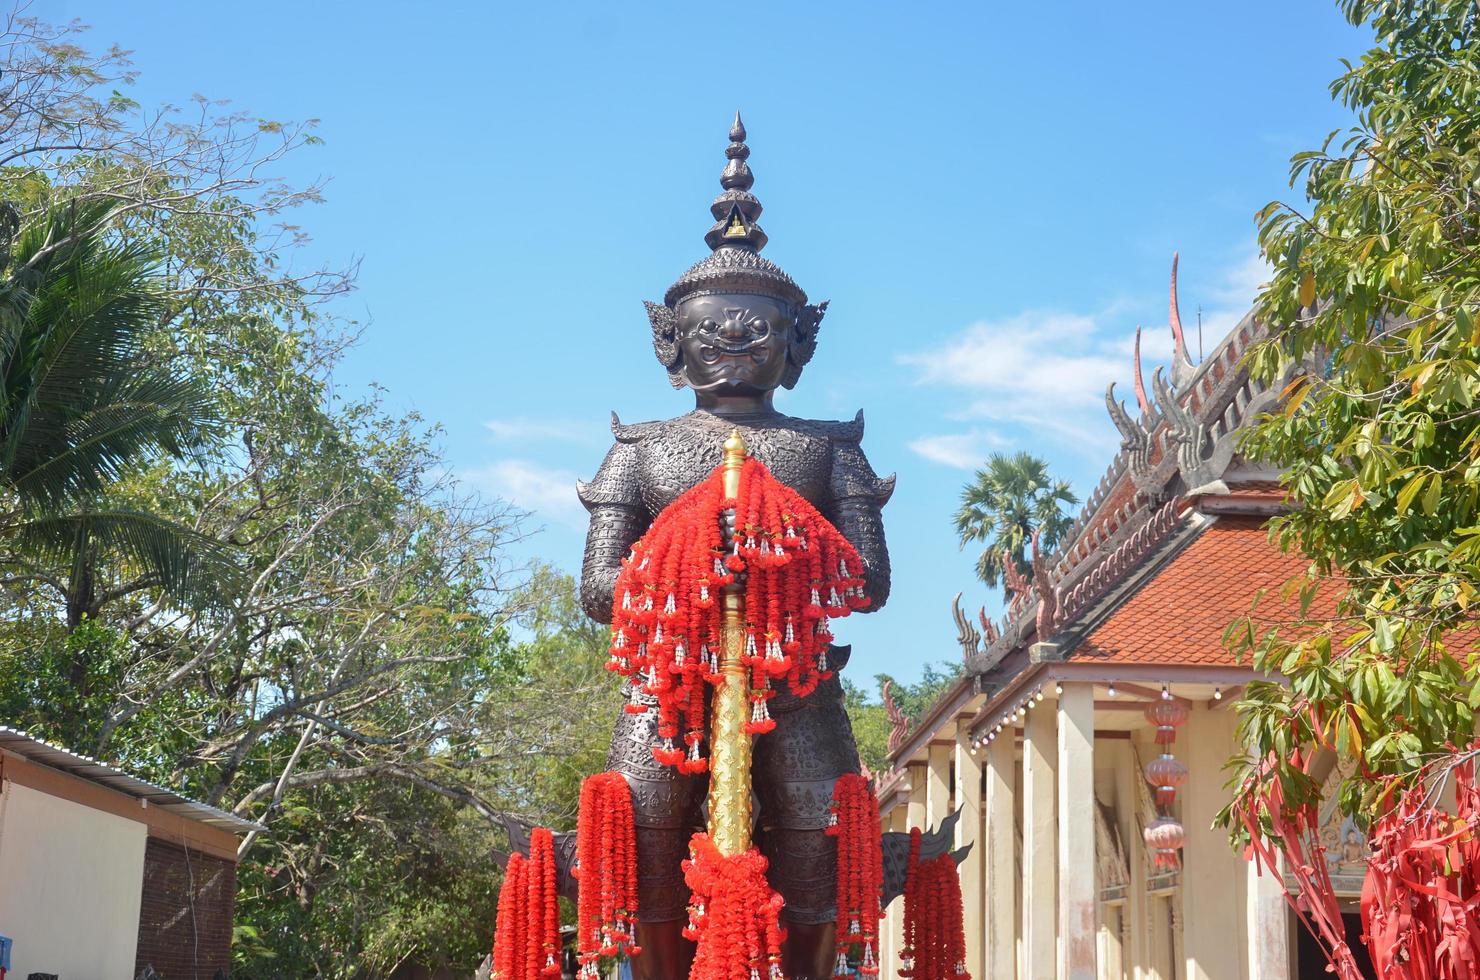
542, 934
799, 571
606, 869
734, 915
855, 823
526, 941
508, 938
935, 935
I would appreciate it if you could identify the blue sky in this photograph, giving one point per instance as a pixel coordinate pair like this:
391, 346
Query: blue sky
988, 193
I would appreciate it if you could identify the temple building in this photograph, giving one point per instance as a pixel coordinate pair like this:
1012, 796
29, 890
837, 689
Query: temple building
1110, 667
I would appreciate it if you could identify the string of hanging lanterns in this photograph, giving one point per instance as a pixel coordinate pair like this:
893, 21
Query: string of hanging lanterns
1165, 836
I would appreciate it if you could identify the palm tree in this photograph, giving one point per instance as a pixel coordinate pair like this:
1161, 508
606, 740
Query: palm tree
81, 401
1004, 505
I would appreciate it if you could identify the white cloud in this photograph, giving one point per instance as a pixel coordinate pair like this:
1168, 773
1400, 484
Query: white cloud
546, 491
1232, 297
962, 450
524, 429
1034, 355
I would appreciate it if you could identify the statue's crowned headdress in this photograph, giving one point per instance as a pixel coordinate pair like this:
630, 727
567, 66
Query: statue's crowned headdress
735, 266
736, 239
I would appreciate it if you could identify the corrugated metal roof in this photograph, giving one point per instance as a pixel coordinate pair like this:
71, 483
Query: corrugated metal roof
65, 760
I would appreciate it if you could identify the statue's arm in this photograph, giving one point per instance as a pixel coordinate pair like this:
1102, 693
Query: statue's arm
618, 519
859, 496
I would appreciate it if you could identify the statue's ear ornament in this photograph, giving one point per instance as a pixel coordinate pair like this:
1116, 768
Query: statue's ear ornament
803, 342
665, 340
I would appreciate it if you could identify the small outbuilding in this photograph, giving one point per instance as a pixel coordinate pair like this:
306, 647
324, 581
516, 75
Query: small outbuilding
103, 874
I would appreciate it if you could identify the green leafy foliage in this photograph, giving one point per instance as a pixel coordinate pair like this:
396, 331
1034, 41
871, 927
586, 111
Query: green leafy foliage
869, 719
1376, 294
219, 572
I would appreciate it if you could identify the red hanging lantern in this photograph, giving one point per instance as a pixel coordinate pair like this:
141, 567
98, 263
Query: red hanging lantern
1164, 837
1166, 775
1167, 715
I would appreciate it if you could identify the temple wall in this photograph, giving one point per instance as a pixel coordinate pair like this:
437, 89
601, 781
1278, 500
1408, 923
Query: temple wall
72, 878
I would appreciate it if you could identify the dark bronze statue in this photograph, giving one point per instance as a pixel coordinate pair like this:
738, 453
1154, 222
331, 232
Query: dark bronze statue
733, 328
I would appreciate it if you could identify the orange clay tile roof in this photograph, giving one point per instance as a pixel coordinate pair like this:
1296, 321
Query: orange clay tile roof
1179, 616
1260, 488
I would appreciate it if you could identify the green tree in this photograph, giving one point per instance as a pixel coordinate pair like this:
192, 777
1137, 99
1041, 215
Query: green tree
1376, 294
1004, 505
82, 402
364, 688
870, 720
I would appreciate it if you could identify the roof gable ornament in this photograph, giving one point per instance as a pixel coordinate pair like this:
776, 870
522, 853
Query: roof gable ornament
1014, 585
1048, 598
966, 634
1201, 458
1135, 434
1182, 366
989, 629
899, 722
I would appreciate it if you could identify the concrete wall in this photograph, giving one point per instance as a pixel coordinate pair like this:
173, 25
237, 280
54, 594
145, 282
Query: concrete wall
70, 880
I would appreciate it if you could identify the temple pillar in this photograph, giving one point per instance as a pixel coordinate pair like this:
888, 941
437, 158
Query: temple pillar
1133, 915
1213, 875
1000, 846
1268, 926
969, 832
886, 934
914, 811
1040, 844
937, 785
1077, 892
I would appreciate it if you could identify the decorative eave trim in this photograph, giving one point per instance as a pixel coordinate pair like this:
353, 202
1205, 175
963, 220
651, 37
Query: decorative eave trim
948, 705
1005, 702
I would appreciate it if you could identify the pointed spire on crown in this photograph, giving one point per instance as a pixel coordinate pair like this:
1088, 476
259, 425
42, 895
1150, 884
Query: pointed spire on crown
736, 210
734, 263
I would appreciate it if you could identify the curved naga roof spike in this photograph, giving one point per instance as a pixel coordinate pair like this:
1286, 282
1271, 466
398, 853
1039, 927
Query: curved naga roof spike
989, 631
1141, 402
1201, 459
1135, 441
1182, 366
899, 722
1178, 418
1013, 582
1048, 604
966, 634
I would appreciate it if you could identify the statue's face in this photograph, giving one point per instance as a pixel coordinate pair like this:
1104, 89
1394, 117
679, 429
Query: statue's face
734, 343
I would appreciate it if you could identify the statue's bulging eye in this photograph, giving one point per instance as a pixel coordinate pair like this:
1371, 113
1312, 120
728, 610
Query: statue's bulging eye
707, 325
760, 327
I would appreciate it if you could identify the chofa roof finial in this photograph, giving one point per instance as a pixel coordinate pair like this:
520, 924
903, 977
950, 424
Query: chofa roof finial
1182, 366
